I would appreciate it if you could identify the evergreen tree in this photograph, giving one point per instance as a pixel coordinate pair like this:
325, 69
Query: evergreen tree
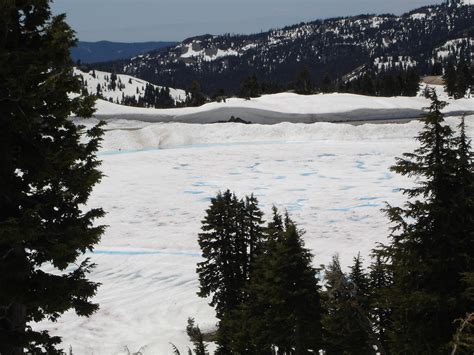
231, 237
304, 84
47, 172
360, 279
253, 231
463, 80
250, 87
283, 309
326, 84
196, 337
437, 69
380, 281
346, 324
450, 79
113, 82
431, 241
411, 83
196, 98
367, 85
463, 339
276, 227
222, 242
163, 98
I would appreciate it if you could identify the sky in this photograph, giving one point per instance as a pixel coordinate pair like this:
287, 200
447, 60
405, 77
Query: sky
175, 20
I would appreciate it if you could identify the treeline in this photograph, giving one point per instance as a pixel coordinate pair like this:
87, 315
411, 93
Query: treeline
459, 79
388, 81
270, 299
391, 83
397, 82
153, 96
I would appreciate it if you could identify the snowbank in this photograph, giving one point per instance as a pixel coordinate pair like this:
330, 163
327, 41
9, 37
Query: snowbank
288, 107
125, 135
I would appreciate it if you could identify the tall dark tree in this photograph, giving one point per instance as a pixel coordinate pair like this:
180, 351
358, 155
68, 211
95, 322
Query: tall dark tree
47, 172
250, 87
380, 280
360, 279
346, 323
450, 79
304, 83
463, 339
231, 237
411, 82
283, 309
327, 84
196, 96
197, 338
431, 242
253, 231
463, 80
222, 243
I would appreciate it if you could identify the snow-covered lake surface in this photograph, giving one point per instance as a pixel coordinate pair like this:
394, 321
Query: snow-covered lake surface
333, 179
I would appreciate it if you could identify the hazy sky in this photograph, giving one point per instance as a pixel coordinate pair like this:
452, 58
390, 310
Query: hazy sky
174, 20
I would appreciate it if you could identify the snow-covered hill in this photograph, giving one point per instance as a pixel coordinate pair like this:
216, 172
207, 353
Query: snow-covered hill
289, 107
116, 87
334, 46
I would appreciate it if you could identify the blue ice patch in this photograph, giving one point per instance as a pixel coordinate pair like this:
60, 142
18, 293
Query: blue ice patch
386, 176
137, 253
360, 165
193, 192
367, 198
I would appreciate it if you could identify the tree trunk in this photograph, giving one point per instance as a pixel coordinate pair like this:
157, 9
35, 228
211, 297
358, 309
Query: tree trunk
13, 313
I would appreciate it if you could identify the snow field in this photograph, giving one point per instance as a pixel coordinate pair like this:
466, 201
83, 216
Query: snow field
332, 178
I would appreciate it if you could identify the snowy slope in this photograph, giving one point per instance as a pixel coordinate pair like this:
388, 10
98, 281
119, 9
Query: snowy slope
332, 178
132, 86
453, 48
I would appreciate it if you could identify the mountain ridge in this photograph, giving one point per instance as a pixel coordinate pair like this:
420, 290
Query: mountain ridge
102, 51
334, 47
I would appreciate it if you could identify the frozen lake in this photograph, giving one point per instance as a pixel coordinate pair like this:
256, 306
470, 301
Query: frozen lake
333, 180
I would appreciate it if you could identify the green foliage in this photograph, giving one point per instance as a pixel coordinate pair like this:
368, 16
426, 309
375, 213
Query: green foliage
46, 176
262, 284
231, 236
432, 239
327, 84
458, 79
346, 323
250, 87
463, 342
282, 309
303, 83
197, 338
450, 79
380, 280
392, 83
196, 97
